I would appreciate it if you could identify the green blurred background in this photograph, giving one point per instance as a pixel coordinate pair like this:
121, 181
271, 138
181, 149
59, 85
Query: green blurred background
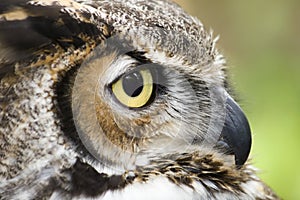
261, 42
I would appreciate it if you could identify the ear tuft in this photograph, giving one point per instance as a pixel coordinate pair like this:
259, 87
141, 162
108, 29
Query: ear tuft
28, 28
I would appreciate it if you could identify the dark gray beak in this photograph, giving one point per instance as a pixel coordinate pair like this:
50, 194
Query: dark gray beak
236, 133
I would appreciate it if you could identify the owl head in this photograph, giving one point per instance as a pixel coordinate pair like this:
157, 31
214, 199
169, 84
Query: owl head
111, 83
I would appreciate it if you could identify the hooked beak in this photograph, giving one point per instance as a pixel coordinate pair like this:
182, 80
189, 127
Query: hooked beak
236, 133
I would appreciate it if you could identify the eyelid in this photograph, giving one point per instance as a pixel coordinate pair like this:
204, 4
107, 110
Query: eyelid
135, 67
120, 67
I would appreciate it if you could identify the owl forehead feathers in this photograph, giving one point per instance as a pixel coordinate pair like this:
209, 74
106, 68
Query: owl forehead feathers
169, 37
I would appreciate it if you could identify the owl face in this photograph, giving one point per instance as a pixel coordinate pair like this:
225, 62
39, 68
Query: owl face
101, 84
150, 107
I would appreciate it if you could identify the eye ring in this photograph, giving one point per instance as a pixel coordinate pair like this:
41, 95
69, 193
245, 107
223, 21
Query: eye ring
135, 89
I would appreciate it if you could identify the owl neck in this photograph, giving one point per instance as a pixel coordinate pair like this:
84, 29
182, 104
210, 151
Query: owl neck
188, 170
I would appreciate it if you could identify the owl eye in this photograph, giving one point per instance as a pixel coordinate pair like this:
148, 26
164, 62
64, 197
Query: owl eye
134, 89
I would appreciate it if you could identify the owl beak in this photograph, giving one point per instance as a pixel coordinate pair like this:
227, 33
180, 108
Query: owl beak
236, 133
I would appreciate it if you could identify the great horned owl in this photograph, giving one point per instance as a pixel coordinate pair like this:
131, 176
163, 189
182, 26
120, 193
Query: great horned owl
114, 99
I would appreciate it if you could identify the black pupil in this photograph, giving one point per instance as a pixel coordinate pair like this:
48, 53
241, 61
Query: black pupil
133, 84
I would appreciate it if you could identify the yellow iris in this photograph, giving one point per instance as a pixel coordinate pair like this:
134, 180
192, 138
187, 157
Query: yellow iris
139, 100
